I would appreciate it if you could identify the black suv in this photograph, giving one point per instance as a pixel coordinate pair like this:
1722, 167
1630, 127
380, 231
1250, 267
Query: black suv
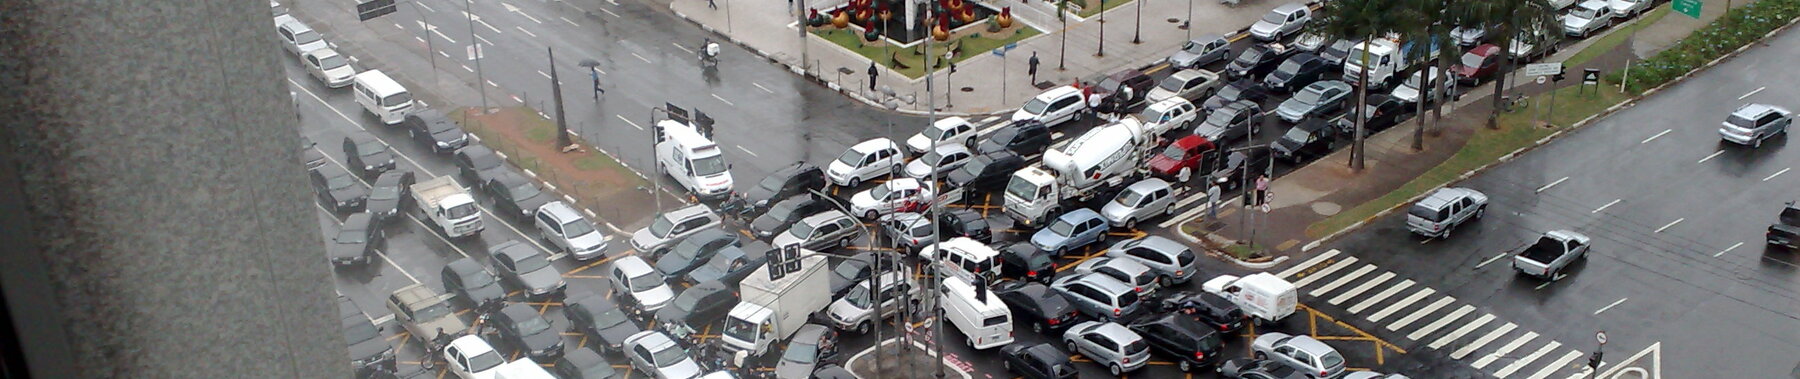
963, 222
435, 131
366, 154
477, 163
337, 189
515, 195
1311, 138
1243, 89
794, 179
1025, 138
1021, 260
1214, 310
1040, 361
1043, 307
1256, 61
1297, 72
786, 213
984, 173
1180, 337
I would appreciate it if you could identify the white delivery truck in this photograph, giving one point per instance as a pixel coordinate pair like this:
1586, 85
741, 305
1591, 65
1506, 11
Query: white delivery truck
1263, 296
1386, 58
448, 206
772, 310
1104, 158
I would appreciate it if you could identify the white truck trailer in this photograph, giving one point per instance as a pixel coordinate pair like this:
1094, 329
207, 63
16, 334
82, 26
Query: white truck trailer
1387, 58
772, 310
448, 206
1104, 158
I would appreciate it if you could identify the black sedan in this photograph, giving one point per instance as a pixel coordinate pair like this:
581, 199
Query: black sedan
432, 129
583, 363
1037, 304
1181, 338
1025, 138
337, 189
695, 308
1020, 260
356, 241
516, 195
1297, 72
1311, 138
390, 193
1216, 311
477, 163
785, 213
693, 251
984, 174
1244, 89
964, 222
795, 179
600, 318
367, 154
469, 281
1039, 361
1256, 61
521, 326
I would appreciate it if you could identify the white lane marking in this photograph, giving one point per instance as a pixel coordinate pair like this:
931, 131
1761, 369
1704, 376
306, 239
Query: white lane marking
1504, 350
1327, 271
722, 100
527, 32
1547, 283
1483, 341
683, 48
422, 169
759, 86
1360, 288
1552, 184
571, 23
491, 83
1610, 306
441, 52
1555, 365
466, 68
517, 99
1463, 331
479, 21
1490, 260
1758, 89
1309, 263
1184, 217
609, 12
541, 73
421, 40
1441, 322
1421, 313
1710, 157
427, 7
1658, 135
1409, 300
481, 54
1522, 362
642, 58
747, 151
513, 9
434, 30
1722, 252
1777, 173
1671, 223
1342, 280
628, 121
1608, 205
1379, 296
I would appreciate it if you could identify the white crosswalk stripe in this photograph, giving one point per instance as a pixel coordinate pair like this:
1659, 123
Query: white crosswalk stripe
1483, 341
1504, 350
1360, 288
1558, 364
1415, 316
1383, 295
1360, 271
1442, 322
1309, 279
1463, 331
1402, 304
1309, 263
1522, 362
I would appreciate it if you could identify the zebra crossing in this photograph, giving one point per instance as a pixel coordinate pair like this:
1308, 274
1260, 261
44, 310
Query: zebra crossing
1421, 314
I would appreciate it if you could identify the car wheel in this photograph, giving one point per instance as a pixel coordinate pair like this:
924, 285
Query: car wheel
1071, 345
854, 182
1039, 328
1006, 364
863, 328
1100, 238
1062, 251
1480, 211
1115, 369
1756, 143
1184, 366
1129, 225
1166, 282
1261, 355
844, 242
872, 214
1185, 174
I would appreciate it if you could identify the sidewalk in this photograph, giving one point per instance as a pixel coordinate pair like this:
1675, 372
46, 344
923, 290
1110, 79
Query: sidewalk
1319, 190
987, 83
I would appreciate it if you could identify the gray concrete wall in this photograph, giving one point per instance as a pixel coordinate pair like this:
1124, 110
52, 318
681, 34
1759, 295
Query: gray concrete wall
166, 230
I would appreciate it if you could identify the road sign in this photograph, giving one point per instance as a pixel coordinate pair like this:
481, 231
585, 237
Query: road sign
1590, 76
1001, 51
1543, 69
1687, 7
1600, 336
474, 51
370, 9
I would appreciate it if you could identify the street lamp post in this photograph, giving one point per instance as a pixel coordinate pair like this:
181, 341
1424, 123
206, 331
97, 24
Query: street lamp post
480, 81
1102, 51
874, 278
1187, 24
1138, 30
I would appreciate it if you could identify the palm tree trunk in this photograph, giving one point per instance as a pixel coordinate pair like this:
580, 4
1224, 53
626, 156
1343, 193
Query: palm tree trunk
1362, 100
1437, 110
1505, 40
1427, 86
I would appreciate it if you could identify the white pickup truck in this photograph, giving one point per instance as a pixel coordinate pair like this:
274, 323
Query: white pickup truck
448, 206
1551, 254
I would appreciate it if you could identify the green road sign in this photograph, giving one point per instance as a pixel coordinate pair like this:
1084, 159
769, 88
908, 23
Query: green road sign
1687, 7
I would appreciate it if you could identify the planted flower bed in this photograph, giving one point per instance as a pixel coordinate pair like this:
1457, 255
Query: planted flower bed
1740, 26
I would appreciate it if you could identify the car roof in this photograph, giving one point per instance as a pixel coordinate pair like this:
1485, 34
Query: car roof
1161, 244
810, 332
1105, 283
1754, 110
872, 145
633, 266
1486, 49
947, 149
1289, 8
1190, 141
1045, 352
1191, 73
323, 52
1147, 185
903, 183
466, 266
1079, 214
1206, 38
357, 221
513, 249
1057, 93
650, 339
826, 216
695, 210
1313, 124
1129, 266
471, 345
518, 311
1443, 196
794, 169
949, 122
560, 211
1169, 103
1310, 345
1118, 333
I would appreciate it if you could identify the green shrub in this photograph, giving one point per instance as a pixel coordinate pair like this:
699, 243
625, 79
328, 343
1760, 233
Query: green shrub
1738, 27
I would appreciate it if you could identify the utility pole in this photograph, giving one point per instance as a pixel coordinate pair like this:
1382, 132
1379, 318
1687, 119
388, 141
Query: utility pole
1102, 51
1187, 24
480, 81
562, 124
1138, 31
937, 275
1062, 15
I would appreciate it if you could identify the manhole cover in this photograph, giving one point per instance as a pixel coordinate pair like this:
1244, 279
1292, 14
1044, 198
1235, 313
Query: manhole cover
1172, 20
1326, 209
968, 89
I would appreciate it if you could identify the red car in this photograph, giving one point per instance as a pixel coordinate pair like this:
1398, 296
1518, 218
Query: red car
1182, 158
1477, 64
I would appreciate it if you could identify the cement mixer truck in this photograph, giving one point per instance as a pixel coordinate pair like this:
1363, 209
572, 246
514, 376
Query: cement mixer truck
1104, 159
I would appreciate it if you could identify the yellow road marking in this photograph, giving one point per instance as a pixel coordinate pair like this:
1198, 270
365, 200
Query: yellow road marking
600, 262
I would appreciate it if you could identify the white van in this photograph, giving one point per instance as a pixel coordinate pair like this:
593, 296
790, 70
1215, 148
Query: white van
987, 324
964, 258
383, 97
693, 160
1262, 295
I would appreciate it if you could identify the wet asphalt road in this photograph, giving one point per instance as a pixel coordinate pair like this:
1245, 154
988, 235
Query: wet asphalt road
1677, 218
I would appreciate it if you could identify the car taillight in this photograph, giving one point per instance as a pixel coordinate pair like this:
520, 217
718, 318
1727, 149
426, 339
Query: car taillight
1199, 355
1115, 311
1223, 327
1179, 273
1321, 373
1127, 360
1054, 322
1032, 273
1137, 289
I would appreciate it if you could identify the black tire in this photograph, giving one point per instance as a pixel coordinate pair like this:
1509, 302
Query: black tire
1184, 366
1261, 355
1115, 369
854, 182
1071, 345
863, 328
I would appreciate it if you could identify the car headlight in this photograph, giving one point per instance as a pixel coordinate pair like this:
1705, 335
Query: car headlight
443, 143
370, 167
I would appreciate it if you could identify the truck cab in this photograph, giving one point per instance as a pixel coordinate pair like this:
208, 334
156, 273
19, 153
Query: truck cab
1384, 57
773, 307
448, 206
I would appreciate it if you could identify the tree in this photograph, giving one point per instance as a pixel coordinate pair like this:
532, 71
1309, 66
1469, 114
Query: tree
1431, 24
1507, 19
1360, 20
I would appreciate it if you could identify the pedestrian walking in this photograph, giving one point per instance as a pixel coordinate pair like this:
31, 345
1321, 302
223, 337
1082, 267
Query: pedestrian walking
712, 4
1031, 68
872, 73
595, 73
1212, 199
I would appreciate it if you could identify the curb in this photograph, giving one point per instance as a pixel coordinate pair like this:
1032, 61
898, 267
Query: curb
1627, 103
1228, 258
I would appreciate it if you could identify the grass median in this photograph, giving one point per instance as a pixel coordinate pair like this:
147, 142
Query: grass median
1486, 146
1610, 40
596, 180
911, 61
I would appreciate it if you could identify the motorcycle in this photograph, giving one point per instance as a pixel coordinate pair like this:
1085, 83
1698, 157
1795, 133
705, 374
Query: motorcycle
709, 54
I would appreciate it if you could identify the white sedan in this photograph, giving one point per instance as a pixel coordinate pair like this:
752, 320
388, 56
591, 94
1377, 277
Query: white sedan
897, 194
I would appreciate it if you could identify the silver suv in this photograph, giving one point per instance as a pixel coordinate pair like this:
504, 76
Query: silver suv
1174, 262
672, 226
818, 232
560, 224
1098, 296
1109, 344
1750, 124
1444, 210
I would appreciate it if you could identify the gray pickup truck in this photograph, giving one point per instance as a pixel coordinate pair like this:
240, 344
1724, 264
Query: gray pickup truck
1551, 254
1785, 232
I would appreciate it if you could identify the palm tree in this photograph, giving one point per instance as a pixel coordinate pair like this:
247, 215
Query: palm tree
1364, 20
1507, 19
1433, 27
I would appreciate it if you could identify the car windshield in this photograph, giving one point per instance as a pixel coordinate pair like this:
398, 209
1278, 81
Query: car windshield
859, 296
1311, 95
851, 157
1740, 121
1275, 18
609, 317
688, 300
849, 269
1062, 228
1171, 84
1471, 60
397, 99
1035, 106
771, 183
1584, 12
340, 181
485, 361
1109, 83
1150, 115
527, 191
880, 192
1230, 93
709, 166
720, 262
685, 252
1355, 55
1004, 135
332, 62
670, 356
1192, 47
1332, 359
478, 280
783, 210
348, 236
361, 331
662, 226
1339, 48
801, 352
436, 311
306, 37
1128, 298
533, 326
1135, 348
533, 262
460, 211
1128, 198
1295, 134
1288, 68
647, 281
577, 228
1021, 189
739, 329
385, 193
1250, 57
1175, 152
801, 230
